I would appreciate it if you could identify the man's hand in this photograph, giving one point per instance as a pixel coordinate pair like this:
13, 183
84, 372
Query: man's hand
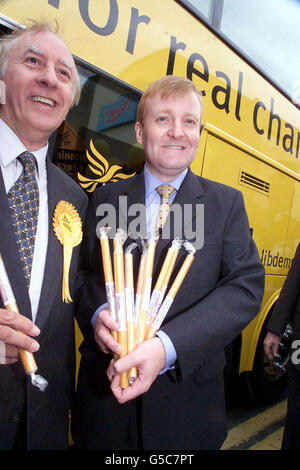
102, 333
15, 332
149, 358
271, 344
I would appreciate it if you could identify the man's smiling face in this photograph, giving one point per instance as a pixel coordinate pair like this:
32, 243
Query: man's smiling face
170, 133
39, 82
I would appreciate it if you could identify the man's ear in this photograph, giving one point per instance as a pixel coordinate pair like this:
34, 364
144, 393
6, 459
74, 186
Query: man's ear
139, 133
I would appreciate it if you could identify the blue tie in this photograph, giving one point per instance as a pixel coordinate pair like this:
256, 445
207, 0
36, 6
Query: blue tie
23, 202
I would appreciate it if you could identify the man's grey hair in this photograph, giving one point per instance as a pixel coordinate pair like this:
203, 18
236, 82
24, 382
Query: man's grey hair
8, 41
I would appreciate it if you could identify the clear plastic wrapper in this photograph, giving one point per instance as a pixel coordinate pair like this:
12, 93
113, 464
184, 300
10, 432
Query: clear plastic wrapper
120, 297
130, 309
146, 292
108, 275
27, 357
166, 305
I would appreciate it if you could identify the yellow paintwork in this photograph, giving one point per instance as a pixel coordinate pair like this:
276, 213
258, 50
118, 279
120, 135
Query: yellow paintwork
248, 429
251, 333
229, 143
149, 60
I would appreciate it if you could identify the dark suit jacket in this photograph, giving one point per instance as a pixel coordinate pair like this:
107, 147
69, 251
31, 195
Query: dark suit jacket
220, 295
48, 411
287, 307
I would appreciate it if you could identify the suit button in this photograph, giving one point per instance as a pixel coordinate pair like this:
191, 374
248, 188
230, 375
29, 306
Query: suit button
14, 416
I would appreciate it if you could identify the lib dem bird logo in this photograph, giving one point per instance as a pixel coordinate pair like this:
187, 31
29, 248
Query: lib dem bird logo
99, 166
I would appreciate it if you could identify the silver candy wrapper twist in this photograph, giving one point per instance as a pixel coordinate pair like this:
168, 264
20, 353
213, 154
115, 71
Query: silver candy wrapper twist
27, 357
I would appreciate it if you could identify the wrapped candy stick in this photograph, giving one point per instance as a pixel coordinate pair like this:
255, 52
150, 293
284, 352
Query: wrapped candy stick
161, 285
108, 275
27, 357
130, 311
166, 305
146, 292
120, 298
139, 286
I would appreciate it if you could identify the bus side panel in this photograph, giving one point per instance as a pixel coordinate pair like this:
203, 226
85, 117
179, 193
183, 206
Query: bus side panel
293, 234
268, 195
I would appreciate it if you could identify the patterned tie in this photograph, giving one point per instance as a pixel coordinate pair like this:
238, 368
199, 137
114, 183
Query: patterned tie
165, 191
23, 202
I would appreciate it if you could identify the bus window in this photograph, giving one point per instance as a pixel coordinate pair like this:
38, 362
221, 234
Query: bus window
97, 140
202, 6
268, 32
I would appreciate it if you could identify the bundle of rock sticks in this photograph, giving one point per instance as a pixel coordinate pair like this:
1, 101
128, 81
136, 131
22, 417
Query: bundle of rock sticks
139, 312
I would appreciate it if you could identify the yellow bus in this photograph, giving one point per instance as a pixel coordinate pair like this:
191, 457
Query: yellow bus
243, 56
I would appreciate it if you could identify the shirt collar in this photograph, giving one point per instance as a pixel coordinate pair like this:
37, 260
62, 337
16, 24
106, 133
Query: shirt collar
11, 147
151, 181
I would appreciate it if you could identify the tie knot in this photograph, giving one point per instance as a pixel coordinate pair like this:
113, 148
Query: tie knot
165, 190
27, 159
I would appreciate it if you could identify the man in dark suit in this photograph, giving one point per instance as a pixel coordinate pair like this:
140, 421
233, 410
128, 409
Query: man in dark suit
177, 400
287, 310
41, 84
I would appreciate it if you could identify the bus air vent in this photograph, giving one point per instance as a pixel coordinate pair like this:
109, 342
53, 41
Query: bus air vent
249, 180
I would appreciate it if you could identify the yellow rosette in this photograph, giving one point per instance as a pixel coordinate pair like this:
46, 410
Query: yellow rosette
68, 229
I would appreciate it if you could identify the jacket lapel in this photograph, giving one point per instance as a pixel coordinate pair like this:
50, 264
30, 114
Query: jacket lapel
10, 255
135, 195
135, 200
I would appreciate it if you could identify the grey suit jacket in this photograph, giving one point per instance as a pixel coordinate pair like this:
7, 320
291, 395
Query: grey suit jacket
47, 412
220, 295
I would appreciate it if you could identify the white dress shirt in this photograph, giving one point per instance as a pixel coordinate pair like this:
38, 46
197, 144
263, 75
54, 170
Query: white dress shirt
11, 147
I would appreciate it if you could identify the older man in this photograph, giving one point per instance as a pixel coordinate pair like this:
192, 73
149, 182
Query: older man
177, 400
41, 84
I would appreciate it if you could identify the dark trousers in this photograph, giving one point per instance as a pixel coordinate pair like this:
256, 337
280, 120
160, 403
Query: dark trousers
20, 442
291, 435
